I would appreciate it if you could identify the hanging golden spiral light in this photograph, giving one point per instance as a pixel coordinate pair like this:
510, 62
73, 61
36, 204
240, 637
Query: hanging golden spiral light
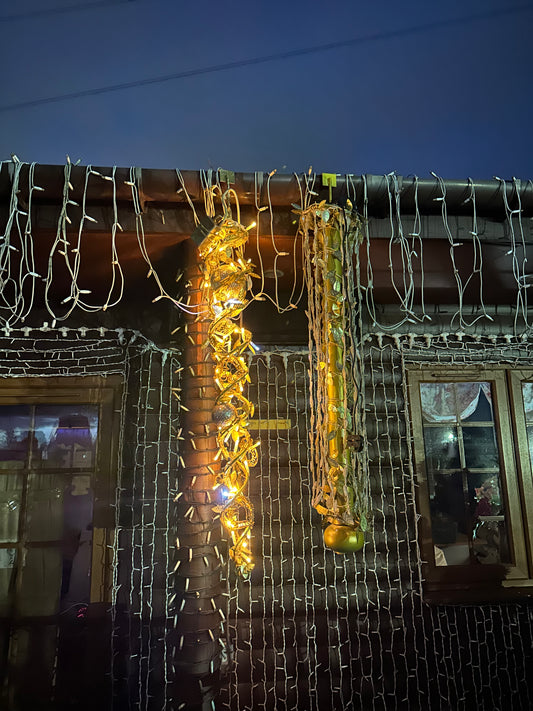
226, 282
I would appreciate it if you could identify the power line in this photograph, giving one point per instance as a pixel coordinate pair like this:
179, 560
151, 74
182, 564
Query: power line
390, 34
62, 9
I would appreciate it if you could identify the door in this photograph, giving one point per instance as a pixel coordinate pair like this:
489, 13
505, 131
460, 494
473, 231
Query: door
57, 449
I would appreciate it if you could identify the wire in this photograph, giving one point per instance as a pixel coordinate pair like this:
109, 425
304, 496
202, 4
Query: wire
61, 10
390, 34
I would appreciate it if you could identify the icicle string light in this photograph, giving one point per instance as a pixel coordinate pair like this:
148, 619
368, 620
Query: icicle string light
277, 269
69, 252
226, 281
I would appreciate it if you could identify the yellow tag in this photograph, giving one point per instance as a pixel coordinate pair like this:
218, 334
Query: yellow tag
269, 425
329, 180
226, 176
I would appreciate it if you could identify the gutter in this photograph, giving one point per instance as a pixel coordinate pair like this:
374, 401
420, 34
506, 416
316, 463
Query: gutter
163, 187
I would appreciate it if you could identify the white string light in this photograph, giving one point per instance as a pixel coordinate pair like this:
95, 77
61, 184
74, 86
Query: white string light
20, 282
139, 546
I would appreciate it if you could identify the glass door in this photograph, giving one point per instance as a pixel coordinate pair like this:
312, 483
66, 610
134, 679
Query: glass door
53, 457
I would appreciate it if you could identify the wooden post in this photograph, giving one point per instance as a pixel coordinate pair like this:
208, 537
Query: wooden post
197, 650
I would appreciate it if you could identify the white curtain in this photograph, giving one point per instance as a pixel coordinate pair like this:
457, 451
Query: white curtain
527, 393
445, 402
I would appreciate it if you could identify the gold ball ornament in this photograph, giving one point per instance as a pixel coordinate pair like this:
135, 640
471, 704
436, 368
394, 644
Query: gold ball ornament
343, 539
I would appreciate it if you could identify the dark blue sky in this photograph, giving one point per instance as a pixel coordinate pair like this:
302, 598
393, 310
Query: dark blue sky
455, 98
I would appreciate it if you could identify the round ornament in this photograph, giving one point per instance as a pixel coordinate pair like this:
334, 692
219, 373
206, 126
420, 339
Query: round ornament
223, 414
343, 539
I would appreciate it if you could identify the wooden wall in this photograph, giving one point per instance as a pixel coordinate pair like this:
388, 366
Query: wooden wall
317, 631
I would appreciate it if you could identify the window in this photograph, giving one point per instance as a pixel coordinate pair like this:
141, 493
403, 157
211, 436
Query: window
56, 484
473, 447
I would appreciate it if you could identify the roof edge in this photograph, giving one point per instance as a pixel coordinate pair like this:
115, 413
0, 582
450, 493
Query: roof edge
493, 198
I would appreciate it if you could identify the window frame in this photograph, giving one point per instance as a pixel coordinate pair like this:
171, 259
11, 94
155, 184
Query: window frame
91, 659
104, 391
517, 376
487, 582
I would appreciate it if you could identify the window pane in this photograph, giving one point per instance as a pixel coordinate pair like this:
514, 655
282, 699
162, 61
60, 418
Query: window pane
49, 450
41, 582
450, 521
60, 508
483, 407
451, 402
480, 447
55, 579
77, 541
66, 435
467, 513
10, 499
8, 557
468, 519
44, 521
58, 504
15, 424
438, 402
527, 394
489, 530
441, 448
530, 442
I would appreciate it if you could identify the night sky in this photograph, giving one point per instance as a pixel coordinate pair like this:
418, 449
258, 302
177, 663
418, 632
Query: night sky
441, 87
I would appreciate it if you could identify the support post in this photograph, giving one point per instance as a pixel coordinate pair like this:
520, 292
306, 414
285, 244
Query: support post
197, 630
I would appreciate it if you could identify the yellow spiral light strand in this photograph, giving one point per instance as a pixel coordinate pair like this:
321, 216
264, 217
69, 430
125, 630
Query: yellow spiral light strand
226, 282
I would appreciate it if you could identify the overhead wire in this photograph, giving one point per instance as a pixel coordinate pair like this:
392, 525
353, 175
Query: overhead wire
61, 10
276, 56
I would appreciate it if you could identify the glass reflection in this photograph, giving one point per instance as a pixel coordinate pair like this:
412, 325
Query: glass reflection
11, 486
15, 436
462, 464
530, 442
480, 447
450, 522
77, 541
46, 508
8, 559
40, 588
44, 521
527, 394
66, 435
441, 447
491, 543
60, 511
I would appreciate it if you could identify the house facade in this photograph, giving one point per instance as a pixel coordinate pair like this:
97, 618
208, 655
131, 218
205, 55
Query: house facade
117, 590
